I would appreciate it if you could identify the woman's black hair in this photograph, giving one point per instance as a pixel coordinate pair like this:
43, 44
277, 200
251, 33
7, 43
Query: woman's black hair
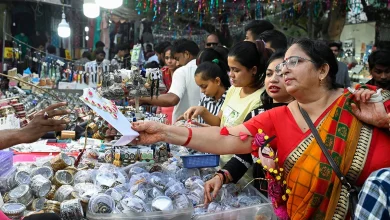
167, 49
264, 97
321, 54
251, 54
212, 70
210, 54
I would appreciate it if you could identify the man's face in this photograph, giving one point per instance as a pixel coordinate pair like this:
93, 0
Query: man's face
335, 51
121, 53
182, 58
99, 57
249, 36
212, 41
381, 75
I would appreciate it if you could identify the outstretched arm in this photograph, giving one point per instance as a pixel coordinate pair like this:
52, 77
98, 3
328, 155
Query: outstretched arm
207, 139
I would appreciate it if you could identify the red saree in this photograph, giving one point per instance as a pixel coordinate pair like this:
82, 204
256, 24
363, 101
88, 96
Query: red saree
315, 190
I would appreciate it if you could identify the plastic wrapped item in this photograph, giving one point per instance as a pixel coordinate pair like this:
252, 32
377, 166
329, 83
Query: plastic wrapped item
63, 177
174, 190
40, 186
101, 203
63, 193
105, 180
38, 204
71, 210
155, 192
83, 176
182, 202
13, 210
214, 207
45, 171
193, 182
7, 180
158, 180
133, 204
184, 173
21, 194
6, 161
162, 203
136, 170
22, 177
86, 190
196, 195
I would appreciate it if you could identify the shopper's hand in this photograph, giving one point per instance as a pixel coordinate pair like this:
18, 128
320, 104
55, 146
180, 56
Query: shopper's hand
363, 95
40, 124
149, 132
212, 186
194, 112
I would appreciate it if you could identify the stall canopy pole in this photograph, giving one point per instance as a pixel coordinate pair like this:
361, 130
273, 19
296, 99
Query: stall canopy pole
2, 57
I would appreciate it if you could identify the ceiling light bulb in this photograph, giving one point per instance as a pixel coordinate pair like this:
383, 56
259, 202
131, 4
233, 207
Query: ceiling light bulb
109, 4
63, 28
91, 9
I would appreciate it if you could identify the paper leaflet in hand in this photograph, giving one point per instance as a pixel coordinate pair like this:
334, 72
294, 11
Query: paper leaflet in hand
120, 123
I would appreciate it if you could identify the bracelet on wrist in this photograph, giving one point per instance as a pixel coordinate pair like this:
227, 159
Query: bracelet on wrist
189, 137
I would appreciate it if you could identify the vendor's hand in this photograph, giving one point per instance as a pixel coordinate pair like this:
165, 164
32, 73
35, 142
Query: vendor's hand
372, 113
149, 132
194, 112
40, 124
213, 185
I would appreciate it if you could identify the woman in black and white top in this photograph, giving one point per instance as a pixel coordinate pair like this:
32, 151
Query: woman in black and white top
274, 96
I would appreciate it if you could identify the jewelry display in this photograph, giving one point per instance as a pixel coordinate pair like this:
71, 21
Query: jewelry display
40, 186
21, 194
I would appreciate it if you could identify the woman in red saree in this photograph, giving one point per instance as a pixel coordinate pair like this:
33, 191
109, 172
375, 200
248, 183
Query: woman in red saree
357, 138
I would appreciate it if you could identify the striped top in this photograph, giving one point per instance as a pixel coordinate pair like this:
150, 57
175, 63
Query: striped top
212, 105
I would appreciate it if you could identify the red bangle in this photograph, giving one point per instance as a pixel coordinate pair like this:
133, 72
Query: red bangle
189, 137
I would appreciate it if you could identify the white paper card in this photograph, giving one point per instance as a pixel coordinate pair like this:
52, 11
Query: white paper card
120, 123
9, 122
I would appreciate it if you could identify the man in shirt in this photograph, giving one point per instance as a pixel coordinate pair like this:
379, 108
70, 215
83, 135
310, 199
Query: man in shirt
117, 61
342, 76
212, 41
255, 28
100, 61
374, 198
184, 91
379, 66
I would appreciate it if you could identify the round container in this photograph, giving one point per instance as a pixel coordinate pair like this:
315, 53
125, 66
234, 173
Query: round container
101, 203
40, 186
22, 177
38, 204
13, 210
162, 203
71, 210
63, 177
45, 171
60, 162
21, 194
63, 193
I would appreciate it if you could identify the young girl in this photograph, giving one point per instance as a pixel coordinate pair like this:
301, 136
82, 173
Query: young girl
275, 95
246, 61
213, 82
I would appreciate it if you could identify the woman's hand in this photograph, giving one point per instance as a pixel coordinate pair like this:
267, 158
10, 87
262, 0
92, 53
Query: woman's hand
373, 113
213, 185
149, 132
194, 112
43, 122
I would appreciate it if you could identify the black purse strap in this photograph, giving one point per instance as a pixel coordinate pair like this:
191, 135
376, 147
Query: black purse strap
324, 149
